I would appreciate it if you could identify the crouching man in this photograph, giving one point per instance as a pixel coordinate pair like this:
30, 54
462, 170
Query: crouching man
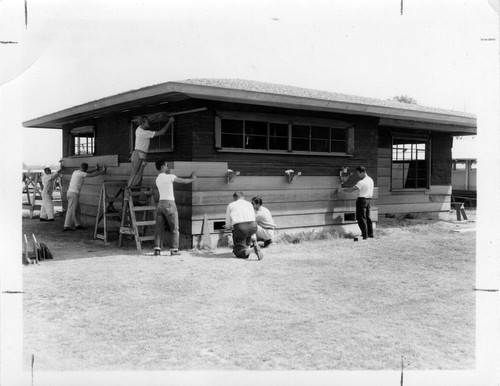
240, 217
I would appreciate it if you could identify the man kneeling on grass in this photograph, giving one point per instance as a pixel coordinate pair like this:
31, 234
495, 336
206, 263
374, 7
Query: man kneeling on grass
166, 211
240, 217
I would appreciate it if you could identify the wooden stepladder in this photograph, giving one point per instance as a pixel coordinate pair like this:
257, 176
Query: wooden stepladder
106, 211
130, 224
33, 188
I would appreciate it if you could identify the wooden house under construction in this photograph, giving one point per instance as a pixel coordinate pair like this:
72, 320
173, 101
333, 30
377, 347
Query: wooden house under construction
291, 146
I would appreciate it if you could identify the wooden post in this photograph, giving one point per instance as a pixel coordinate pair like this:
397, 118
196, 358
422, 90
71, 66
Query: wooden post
207, 241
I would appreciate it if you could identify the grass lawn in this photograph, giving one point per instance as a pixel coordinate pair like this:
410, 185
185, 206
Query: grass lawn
330, 304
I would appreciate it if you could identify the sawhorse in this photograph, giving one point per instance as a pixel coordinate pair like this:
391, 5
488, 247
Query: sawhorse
33, 182
105, 209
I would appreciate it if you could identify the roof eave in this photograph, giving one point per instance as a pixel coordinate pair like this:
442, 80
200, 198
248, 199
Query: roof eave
131, 98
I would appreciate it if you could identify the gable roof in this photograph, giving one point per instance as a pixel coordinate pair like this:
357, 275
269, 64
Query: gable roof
260, 93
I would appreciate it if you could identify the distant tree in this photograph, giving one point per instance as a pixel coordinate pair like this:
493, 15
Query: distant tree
404, 99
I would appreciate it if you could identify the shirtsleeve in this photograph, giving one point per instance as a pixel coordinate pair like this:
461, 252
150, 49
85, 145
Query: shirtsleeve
149, 133
228, 218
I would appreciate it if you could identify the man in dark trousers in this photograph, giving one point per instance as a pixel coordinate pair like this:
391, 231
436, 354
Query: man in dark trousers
240, 217
166, 211
365, 188
142, 139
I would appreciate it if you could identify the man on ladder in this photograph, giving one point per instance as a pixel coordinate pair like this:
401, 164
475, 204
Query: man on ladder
142, 139
166, 212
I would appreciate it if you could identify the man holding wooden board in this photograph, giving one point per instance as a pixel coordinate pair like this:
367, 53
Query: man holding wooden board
73, 195
365, 188
166, 211
142, 139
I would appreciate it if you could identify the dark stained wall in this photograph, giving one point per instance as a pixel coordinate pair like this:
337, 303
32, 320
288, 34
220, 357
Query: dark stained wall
195, 141
441, 158
441, 145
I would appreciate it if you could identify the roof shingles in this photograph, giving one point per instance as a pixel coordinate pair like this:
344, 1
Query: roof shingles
278, 89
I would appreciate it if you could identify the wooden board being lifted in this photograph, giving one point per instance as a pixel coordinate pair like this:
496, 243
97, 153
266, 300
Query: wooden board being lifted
102, 160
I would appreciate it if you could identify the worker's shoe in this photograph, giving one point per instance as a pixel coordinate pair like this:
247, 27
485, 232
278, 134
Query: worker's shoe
43, 219
257, 251
267, 243
157, 252
66, 229
175, 252
79, 227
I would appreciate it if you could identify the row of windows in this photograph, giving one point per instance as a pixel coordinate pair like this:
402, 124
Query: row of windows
410, 166
281, 137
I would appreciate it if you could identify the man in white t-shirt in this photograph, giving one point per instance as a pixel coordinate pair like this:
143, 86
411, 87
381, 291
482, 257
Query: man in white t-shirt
166, 211
240, 217
142, 139
73, 195
365, 187
48, 181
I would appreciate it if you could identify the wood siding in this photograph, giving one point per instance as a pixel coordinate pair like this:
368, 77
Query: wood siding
309, 202
435, 199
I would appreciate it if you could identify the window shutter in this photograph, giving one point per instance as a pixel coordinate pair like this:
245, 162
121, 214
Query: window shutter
217, 132
350, 140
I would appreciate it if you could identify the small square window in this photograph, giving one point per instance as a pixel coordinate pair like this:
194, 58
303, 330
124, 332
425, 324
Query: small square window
83, 140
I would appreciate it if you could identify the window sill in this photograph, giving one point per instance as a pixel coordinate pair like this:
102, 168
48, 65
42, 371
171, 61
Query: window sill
282, 152
160, 151
409, 191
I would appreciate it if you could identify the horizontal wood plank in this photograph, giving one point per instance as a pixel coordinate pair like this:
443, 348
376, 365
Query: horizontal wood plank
102, 160
413, 208
285, 222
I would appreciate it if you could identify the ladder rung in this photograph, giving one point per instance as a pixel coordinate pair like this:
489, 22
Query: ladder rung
143, 208
144, 223
101, 237
144, 238
113, 214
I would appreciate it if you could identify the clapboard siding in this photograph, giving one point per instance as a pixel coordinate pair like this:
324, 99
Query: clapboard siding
307, 202
436, 198
311, 201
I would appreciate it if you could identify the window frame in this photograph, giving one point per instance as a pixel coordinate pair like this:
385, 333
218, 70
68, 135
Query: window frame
423, 139
87, 132
290, 121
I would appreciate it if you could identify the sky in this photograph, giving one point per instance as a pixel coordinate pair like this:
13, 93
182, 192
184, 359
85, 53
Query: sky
72, 52
443, 53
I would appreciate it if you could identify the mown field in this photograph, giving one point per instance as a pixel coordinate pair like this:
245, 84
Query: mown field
324, 304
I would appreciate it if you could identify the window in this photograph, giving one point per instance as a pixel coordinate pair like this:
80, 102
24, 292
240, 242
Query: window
161, 142
253, 133
83, 140
410, 164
